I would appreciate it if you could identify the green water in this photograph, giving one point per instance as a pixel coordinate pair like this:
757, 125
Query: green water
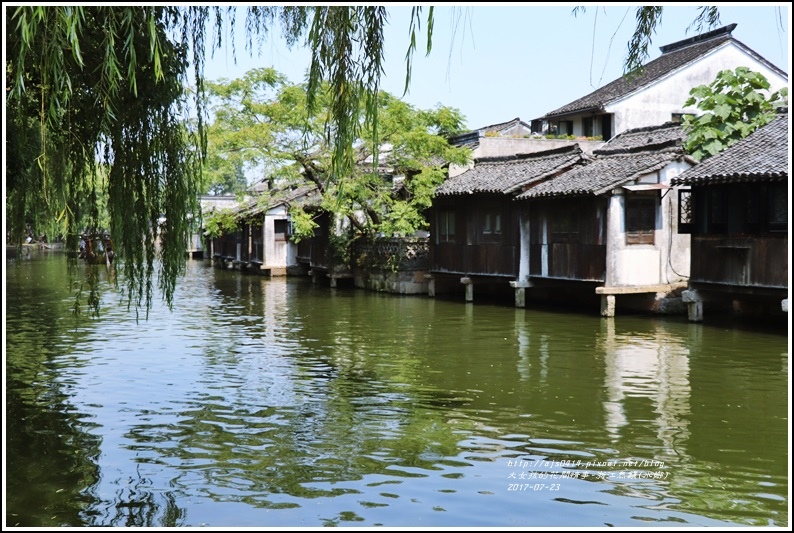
278, 403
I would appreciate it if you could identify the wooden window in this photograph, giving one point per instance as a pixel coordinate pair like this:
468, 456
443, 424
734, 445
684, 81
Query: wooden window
777, 210
717, 208
686, 211
280, 230
606, 127
564, 226
565, 127
587, 123
446, 226
492, 223
752, 208
678, 118
640, 218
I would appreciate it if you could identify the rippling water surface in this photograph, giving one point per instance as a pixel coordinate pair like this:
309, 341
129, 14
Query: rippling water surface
258, 402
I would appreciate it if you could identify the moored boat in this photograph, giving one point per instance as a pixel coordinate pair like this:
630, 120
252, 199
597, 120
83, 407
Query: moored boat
96, 248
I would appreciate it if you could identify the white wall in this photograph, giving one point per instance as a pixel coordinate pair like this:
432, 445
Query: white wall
667, 259
656, 104
277, 254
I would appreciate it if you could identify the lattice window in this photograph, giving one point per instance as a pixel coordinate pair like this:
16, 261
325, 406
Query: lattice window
686, 211
640, 219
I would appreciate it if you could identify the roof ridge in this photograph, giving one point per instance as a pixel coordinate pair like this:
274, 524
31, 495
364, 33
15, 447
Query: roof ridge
572, 149
673, 145
725, 30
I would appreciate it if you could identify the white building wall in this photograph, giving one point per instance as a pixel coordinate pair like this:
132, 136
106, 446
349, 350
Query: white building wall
656, 104
663, 262
278, 254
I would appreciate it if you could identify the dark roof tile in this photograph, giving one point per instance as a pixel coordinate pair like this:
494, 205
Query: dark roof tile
674, 56
762, 155
507, 174
602, 174
624, 158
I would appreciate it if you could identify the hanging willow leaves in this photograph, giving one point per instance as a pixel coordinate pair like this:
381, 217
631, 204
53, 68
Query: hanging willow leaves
103, 86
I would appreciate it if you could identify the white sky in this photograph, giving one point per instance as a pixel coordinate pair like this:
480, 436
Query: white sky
498, 61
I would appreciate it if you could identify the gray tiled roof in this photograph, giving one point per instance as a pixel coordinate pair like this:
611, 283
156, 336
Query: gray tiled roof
502, 126
674, 57
625, 158
603, 174
507, 174
762, 155
305, 194
666, 135
472, 137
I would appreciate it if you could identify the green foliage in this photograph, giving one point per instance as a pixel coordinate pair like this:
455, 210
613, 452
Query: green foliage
340, 250
733, 105
221, 221
303, 224
264, 122
223, 176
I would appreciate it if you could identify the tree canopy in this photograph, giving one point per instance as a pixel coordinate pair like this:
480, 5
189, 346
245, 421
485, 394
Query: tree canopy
104, 85
734, 105
264, 123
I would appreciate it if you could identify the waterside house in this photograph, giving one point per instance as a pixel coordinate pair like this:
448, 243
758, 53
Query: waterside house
657, 94
735, 206
474, 222
261, 242
608, 227
511, 138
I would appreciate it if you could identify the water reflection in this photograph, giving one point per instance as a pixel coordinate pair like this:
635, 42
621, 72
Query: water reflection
263, 402
652, 368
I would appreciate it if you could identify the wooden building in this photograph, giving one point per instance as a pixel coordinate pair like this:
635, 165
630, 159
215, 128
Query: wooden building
735, 206
607, 227
474, 222
262, 241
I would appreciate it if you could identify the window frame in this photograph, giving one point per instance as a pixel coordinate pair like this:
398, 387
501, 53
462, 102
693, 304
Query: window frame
639, 204
445, 221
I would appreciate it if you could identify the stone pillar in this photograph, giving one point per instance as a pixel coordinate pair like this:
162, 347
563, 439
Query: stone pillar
431, 285
614, 237
608, 305
469, 288
520, 285
521, 297
694, 305
523, 248
520, 288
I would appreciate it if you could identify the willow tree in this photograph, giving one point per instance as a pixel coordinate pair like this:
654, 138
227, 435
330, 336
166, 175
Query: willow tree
90, 86
105, 85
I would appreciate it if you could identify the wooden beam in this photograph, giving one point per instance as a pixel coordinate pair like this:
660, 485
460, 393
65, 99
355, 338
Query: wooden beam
638, 289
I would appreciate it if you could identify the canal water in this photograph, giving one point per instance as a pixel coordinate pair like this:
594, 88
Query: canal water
278, 403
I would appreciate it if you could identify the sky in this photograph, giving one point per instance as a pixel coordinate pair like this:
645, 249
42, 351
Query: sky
499, 61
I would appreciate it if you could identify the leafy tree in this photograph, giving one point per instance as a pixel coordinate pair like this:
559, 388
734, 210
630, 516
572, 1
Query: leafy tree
223, 176
734, 105
262, 121
105, 85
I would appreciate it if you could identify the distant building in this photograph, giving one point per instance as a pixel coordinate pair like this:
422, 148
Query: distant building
657, 94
